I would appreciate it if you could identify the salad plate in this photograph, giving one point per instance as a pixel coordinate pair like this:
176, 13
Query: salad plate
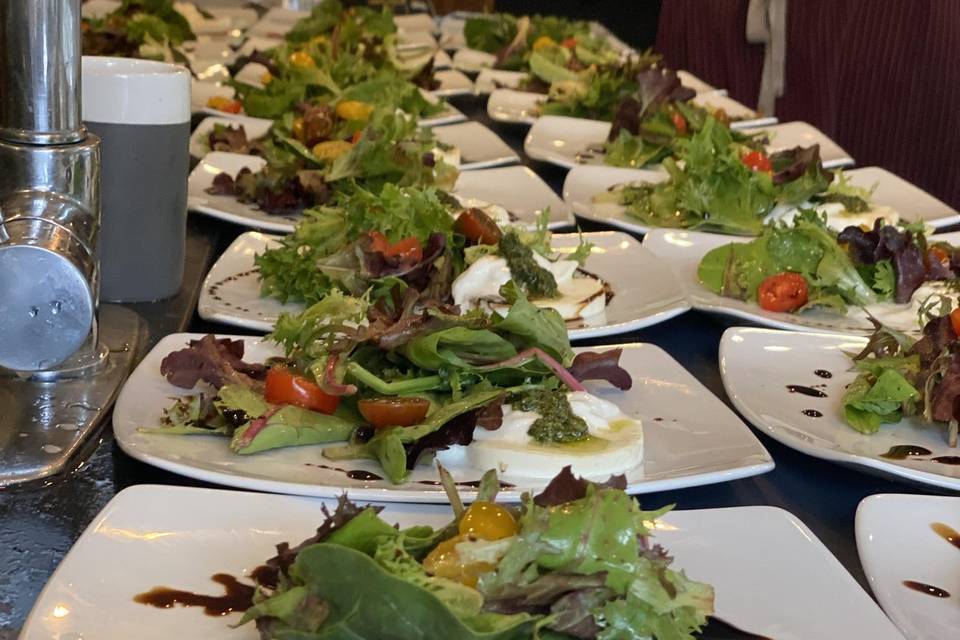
452, 83
480, 148
690, 437
489, 80
180, 536
443, 61
227, 207
231, 291
472, 60
684, 250
414, 22
583, 182
568, 142
519, 190
199, 139
909, 547
522, 107
758, 365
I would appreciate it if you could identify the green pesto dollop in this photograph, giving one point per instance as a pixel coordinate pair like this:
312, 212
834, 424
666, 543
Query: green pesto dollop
557, 422
537, 281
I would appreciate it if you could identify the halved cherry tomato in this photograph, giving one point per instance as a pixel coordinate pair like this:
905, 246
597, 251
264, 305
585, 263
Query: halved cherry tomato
393, 411
488, 521
477, 226
570, 43
785, 291
284, 387
940, 254
406, 248
955, 320
757, 160
444, 561
223, 103
679, 123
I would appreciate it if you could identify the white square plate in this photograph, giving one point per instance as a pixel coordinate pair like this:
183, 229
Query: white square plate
231, 291
684, 250
583, 182
415, 22
470, 60
517, 189
199, 139
757, 365
480, 148
897, 542
567, 142
523, 107
452, 83
771, 574
227, 207
514, 107
490, 79
690, 437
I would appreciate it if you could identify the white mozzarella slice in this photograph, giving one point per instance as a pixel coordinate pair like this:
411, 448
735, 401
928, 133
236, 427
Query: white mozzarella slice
615, 444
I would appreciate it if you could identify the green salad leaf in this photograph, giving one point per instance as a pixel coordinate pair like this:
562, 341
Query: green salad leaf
871, 400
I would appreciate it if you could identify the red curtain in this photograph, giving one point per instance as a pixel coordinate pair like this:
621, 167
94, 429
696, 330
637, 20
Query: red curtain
882, 78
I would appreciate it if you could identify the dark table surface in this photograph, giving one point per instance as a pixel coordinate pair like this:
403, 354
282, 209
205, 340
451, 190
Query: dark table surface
38, 524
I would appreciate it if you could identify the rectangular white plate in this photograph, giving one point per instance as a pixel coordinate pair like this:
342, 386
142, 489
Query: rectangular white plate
896, 543
415, 22
231, 291
690, 437
684, 250
757, 365
514, 107
517, 189
756, 558
566, 141
523, 107
254, 128
583, 182
452, 83
470, 60
228, 207
490, 79
480, 148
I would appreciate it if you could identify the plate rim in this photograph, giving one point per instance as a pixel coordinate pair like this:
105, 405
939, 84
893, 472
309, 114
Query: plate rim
783, 437
760, 460
677, 307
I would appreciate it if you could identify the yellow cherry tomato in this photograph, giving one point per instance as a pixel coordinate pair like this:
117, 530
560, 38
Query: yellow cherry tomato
543, 42
223, 103
297, 129
302, 60
488, 521
331, 149
444, 562
354, 110
266, 78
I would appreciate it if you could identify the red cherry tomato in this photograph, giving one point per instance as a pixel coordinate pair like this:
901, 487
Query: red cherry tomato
284, 387
406, 248
570, 43
477, 227
785, 291
955, 320
394, 411
679, 123
757, 160
939, 254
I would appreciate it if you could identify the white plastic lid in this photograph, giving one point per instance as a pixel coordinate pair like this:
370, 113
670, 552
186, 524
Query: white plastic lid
128, 91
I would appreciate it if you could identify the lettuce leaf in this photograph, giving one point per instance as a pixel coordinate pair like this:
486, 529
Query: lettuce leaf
872, 400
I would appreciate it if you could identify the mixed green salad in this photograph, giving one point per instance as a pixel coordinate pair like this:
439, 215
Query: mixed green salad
337, 51
516, 40
151, 29
718, 181
901, 377
575, 561
391, 367
316, 156
806, 264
